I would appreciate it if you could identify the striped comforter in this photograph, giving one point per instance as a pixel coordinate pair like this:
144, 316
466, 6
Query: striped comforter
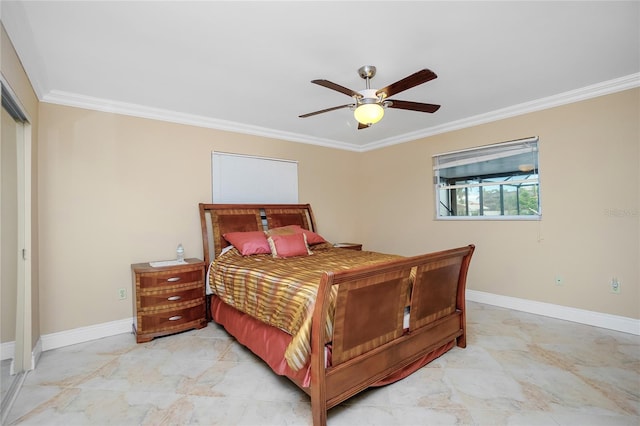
282, 292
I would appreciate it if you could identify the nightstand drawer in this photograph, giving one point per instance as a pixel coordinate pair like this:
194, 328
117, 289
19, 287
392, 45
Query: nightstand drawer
170, 278
165, 320
169, 298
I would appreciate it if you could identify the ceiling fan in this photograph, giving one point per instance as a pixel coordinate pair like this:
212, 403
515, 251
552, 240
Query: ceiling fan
370, 103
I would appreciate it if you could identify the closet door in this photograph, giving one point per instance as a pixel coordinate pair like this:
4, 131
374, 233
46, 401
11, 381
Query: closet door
15, 249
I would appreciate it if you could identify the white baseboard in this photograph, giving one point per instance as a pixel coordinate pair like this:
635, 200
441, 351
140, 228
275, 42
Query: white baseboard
35, 353
68, 337
85, 334
597, 319
7, 349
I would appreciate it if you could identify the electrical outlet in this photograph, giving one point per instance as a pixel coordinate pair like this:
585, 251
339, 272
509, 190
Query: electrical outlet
559, 280
615, 286
122, 293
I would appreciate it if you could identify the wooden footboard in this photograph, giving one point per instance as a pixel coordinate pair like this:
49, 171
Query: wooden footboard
370, 341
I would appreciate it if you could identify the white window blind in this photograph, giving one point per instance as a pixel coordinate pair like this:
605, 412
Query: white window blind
239, 178
518, 150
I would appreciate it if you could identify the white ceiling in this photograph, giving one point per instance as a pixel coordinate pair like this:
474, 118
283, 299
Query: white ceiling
246, 66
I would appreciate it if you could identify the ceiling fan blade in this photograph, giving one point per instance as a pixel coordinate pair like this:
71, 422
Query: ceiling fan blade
413, 80
413, 106
325, 110
333, 86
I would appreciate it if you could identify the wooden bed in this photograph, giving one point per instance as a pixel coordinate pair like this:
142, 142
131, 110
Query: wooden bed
372, 343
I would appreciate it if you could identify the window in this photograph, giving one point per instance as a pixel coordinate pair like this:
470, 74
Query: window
490, 182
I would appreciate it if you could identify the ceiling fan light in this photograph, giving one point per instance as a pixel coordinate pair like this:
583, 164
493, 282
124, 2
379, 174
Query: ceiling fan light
369, 113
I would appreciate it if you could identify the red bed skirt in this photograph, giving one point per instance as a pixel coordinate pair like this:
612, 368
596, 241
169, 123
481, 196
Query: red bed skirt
270, 343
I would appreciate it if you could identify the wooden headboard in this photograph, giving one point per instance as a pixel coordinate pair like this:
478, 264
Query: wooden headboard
218, 219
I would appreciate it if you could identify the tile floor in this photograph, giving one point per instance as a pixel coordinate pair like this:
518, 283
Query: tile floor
518, 369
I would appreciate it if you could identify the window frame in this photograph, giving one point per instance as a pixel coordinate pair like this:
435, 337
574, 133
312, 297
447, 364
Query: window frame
446, 160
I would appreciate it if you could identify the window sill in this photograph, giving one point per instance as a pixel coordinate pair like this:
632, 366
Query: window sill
492, 218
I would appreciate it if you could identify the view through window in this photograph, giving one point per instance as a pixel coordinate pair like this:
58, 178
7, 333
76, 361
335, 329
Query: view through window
495, 181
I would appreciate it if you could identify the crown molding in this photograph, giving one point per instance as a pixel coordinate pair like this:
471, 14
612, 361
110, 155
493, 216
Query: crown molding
105, 105
600, 89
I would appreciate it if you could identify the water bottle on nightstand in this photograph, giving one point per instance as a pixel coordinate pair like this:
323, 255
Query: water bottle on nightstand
180, 253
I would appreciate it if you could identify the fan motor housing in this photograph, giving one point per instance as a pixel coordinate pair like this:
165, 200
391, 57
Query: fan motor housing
367, 71
368, 96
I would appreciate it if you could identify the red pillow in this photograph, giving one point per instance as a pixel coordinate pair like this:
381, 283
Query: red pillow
248, 243
289, 245
312, 237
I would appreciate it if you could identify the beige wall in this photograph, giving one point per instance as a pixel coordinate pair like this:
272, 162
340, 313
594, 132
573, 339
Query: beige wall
117, 190
16, 78
590, 187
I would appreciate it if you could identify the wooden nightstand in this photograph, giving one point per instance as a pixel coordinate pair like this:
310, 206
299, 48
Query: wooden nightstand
168, 299
349, 246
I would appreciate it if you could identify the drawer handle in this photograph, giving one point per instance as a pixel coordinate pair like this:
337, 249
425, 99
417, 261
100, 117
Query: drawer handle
174, 298
175, 318
173, 279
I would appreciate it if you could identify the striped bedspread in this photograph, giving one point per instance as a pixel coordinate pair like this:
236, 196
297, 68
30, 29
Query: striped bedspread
282, 292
